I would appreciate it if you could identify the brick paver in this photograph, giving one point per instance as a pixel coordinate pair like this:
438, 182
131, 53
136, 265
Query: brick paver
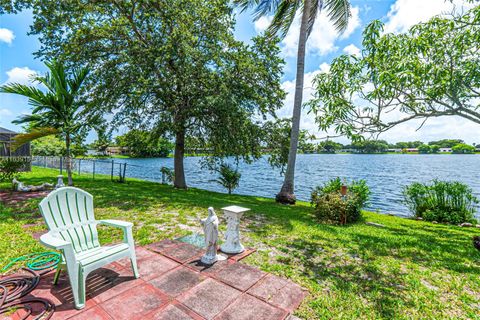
279, 292
177, 281
239, 275
135, 303
251, 308
175, 286
183, 252
209, 298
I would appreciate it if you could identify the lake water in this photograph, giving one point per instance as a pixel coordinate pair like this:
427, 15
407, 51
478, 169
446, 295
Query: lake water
386, 174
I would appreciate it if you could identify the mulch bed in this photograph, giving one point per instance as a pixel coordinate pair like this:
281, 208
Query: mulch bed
13, 198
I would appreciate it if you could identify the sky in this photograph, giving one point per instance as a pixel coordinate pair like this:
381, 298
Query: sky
17, 62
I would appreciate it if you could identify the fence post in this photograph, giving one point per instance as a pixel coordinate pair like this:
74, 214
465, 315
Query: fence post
79, 165
61, 165
124, 171
45, 161
93, 170
113, 163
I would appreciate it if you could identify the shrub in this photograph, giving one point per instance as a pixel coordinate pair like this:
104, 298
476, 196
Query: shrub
10, 168
441, 201
332, 207
229, 177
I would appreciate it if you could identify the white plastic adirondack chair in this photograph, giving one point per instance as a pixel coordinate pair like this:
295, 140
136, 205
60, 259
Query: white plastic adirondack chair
68, 213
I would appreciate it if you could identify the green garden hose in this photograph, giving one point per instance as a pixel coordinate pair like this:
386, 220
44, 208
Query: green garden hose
36, 261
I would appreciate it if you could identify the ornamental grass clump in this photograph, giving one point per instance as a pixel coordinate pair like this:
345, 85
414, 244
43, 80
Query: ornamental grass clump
441, 201
333, 207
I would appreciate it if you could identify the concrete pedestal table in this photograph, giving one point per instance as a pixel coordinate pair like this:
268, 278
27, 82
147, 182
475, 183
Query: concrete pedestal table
232, 237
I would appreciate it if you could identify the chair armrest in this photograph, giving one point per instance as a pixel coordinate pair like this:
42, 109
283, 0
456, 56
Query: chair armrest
116, 223
126, 226
50, 241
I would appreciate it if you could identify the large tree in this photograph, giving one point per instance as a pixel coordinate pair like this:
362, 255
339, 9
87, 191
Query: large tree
284, 13
433, 70
172, 67
56, 111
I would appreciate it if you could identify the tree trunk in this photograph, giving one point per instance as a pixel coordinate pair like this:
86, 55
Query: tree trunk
69, 159
179, 177
286, 195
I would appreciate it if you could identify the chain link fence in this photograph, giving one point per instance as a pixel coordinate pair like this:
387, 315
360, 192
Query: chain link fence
118, 171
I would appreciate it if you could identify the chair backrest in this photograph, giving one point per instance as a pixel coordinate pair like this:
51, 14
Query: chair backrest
68, 213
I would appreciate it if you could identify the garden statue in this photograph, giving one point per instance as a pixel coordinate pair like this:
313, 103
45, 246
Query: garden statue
210, 228
20, 186
60, 183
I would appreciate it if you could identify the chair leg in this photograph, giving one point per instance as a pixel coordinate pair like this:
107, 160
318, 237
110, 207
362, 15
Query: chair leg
133, 260
81, 291
57, 274
77, 282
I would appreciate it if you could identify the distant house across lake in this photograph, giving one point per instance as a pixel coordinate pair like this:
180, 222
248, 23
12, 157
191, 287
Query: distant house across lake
6, 140
113, 151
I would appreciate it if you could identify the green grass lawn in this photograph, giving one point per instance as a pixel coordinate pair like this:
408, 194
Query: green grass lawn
406, 270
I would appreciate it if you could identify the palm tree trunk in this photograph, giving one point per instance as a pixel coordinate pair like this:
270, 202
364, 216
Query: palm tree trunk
69, 159
179, 177
286, 195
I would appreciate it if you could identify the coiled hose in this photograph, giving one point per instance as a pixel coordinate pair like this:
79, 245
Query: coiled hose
14, 288
36, 261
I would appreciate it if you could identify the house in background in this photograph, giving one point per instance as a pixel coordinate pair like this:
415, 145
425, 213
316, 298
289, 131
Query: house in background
114, 151
6, 140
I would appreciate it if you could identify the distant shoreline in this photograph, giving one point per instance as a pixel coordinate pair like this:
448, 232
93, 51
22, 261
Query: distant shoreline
339, 153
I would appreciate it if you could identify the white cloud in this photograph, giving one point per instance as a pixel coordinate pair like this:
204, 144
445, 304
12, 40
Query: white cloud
447, 127
405, 13
323, 37
262, 23
434, 129
5, 112
324, 67
6, 35
352, 49
20, 75
307, 119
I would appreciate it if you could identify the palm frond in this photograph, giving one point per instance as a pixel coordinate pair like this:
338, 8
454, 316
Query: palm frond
315, 7
40, 100
267, 7
30, 118
283, 18
58, 77
78, 77
27, 91
36, 133
339, 13
245, 4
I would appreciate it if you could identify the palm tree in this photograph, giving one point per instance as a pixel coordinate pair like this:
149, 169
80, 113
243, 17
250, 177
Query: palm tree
57, 111
229, 177
284, 12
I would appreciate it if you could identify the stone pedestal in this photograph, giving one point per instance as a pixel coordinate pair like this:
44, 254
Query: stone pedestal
60, 183
232, 237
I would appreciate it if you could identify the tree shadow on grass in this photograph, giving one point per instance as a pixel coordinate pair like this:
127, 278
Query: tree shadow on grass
303, 238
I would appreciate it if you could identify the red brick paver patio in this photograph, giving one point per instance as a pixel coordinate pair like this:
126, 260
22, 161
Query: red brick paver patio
173, 285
